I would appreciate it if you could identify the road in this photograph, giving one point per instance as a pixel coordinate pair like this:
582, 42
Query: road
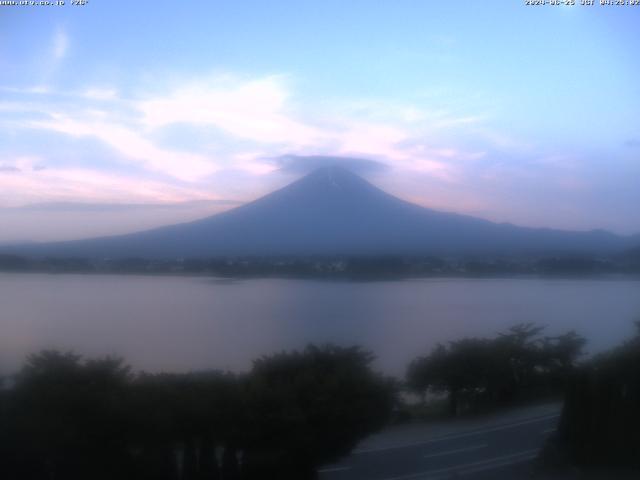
498, 447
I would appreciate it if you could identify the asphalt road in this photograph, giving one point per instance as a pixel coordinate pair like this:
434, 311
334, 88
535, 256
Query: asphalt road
502, 447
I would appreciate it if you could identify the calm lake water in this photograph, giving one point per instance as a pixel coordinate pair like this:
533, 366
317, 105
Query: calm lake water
185, 323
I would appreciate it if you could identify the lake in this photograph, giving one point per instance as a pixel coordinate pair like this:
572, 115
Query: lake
177, 323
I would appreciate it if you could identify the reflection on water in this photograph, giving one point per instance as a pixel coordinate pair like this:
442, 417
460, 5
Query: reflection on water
181, 323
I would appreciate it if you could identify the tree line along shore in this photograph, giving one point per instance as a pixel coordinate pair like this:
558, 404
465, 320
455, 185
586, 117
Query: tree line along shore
339, 266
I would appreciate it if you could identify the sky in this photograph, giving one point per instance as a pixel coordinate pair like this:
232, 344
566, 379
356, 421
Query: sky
118, 116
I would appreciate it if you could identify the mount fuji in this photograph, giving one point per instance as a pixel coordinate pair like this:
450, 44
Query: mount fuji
332, 211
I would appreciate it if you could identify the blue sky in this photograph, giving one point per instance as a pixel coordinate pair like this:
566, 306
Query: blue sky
117, 116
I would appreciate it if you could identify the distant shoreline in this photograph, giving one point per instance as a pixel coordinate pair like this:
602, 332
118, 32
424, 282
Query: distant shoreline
344, 267
334, 278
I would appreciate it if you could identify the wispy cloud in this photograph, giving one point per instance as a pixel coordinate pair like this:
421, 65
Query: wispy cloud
60, 44
256, 126
100, 93
133, 145
34, 89
21, 164
118, 207
256, 110
260, 117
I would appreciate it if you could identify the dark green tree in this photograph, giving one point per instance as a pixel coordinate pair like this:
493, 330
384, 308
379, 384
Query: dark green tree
517, 364
311, 407
68, 417
600, 422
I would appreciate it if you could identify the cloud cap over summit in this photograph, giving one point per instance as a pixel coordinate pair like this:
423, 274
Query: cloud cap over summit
303, 164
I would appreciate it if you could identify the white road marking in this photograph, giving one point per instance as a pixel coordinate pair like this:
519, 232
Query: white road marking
469, 468
455, 436
517, 458
548, 430
457, 450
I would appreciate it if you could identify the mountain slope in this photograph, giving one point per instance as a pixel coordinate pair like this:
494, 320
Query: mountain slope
333, 211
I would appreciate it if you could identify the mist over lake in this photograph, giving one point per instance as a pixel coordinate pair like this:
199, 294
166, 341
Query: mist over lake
191, 323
